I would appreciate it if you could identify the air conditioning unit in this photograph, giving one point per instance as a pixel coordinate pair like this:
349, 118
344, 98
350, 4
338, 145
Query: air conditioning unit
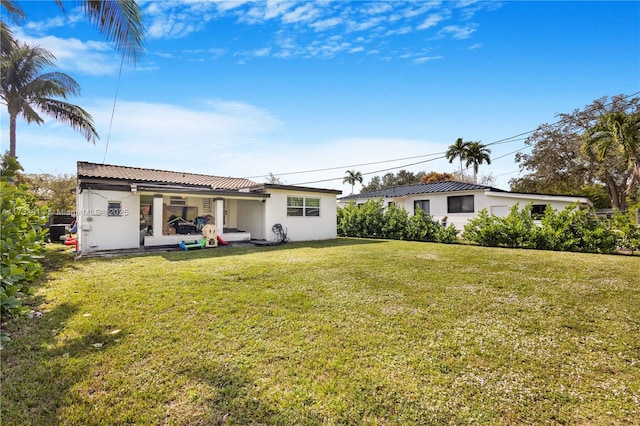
177, 201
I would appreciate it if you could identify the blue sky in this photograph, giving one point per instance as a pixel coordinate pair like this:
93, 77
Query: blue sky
248, 88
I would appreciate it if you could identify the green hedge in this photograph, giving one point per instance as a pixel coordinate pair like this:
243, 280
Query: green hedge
372, 220
572, 229
22, 242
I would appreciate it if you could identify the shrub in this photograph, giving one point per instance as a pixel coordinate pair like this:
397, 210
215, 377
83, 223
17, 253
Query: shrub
22, 242
628, 231
394, 223
372, 220
483, 229
572, 229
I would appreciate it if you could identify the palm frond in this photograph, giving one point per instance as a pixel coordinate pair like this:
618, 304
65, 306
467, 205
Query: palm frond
13, 10
120, 21
72, 115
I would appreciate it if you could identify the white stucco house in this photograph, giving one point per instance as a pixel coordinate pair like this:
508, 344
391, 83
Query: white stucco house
460, 201
122, 207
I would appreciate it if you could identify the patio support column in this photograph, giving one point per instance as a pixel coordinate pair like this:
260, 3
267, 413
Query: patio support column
158, 212
219, 219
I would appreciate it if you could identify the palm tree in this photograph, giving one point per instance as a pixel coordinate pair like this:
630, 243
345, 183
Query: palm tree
120, 21
352, 177
477, 153
616, 131
7, 42
23, 89
458, 149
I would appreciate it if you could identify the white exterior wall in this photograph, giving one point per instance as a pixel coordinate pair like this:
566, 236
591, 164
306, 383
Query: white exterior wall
301, 228
97, 231
498, 203
250, 218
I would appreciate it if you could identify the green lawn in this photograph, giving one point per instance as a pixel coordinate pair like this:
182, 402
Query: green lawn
342, 332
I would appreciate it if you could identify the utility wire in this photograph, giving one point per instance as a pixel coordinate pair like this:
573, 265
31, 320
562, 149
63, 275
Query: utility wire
441, 155
113, 111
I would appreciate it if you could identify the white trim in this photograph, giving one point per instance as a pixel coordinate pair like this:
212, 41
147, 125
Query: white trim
541, 197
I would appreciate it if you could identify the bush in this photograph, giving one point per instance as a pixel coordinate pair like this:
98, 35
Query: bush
22, 242
572, 229
628, 230
372, 220
483, 229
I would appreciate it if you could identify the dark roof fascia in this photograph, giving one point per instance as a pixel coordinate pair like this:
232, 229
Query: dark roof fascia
168, 189
165, 189
267, 186
115, 186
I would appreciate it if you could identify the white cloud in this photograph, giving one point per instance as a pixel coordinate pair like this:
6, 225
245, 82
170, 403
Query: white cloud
457, 32
434, 19
88, 57
423, 59
378, 8
276, 8
326, 24
305, 13
262, 52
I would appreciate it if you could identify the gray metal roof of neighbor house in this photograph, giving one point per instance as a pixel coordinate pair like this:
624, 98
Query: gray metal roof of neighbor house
113, 173
422, 188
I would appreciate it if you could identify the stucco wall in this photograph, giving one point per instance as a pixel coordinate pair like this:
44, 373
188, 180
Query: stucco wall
302, 228
250, 217
99, 231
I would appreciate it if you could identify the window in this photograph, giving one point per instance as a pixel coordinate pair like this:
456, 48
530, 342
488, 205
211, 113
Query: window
423, 205
303, 206
177, 201
460, 204
537, 210
206, 205
114, 208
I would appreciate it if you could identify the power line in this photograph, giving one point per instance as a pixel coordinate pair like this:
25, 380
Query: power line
441, 155
343, 167
113, 110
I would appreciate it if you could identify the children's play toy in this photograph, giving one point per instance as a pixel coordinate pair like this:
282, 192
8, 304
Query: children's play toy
209, 238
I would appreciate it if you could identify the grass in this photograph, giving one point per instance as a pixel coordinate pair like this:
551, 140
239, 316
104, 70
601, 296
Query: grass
342, 332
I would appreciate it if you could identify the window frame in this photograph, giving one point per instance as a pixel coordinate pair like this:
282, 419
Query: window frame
114, 208
537, 211
303, 207
453, 207
420, 204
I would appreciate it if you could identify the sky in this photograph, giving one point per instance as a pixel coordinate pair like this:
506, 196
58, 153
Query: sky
307, 90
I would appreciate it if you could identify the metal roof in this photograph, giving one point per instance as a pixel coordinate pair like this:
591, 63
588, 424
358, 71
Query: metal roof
422, 188
136, 174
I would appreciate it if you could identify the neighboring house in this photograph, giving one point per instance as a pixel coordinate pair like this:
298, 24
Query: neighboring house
460, 201
127, 207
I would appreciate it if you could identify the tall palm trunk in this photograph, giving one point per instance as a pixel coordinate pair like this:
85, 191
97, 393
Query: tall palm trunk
12, 135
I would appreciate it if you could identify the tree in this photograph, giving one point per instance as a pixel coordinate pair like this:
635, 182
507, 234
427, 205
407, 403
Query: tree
477, 153
120, 21
273, 179
23, 89
55, 192
7, 42
432, 177
616, 131
458, 150
558, 164
389, 180
352, 177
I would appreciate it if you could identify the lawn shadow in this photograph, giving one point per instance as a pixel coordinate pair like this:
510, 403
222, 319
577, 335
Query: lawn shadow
235, 398
40, 369
248, 248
